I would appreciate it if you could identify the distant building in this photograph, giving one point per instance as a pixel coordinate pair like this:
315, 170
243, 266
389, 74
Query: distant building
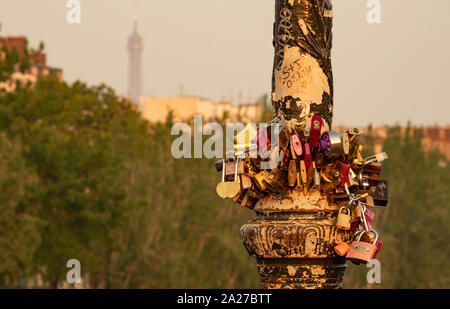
37, 60
437, 138
135, 49
185, 107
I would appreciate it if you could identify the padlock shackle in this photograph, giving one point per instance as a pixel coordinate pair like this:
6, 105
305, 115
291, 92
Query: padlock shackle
348, 210
346, 189
356, 198
363, 211
325, 177
357, 233
223, 170
352, 199
374, 158
370, 230
236, 169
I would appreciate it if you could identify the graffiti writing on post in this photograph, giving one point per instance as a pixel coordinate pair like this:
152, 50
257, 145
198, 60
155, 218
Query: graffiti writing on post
284, 33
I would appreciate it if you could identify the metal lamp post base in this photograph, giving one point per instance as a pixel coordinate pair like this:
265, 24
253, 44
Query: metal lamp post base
293, 241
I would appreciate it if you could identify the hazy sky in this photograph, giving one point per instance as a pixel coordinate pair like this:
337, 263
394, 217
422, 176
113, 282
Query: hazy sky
384, 73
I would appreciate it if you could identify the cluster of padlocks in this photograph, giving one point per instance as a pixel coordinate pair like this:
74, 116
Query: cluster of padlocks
310, 158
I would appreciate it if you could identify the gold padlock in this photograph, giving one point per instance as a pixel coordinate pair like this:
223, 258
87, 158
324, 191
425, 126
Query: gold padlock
369, 202
358, 211
327, 172
252, 171
358, 154
248, 201
254, 192
303, 172
275, 181
352, 179
299, 180
310, 173
292, 173
369, 237
344, 220
259, 179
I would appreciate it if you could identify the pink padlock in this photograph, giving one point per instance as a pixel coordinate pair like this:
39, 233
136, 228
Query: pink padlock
369, 214
296, 145
361, 251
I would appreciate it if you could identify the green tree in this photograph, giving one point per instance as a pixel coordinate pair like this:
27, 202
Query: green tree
19, 234
414, 227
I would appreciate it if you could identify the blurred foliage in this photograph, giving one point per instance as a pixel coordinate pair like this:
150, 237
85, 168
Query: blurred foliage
414, 226
266, 102
18, 228
84, 176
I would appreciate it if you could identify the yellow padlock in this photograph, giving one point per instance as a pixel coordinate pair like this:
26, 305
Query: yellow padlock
344, 220
259, 180
303, 172
358, 154
248, 201
292, 173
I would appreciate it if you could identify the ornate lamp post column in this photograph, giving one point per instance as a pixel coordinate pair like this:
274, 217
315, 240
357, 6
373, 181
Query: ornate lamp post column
293, 237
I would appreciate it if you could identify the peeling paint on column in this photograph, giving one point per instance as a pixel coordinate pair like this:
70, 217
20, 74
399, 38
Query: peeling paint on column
300, 77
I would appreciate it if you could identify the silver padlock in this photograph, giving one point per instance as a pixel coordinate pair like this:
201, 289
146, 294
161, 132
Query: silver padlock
340, 144
378, 158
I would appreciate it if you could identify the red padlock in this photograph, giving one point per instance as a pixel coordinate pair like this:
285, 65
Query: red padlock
354, 225
307, 156
379, 245
296, 145
345, 170
316, 128
360, 251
